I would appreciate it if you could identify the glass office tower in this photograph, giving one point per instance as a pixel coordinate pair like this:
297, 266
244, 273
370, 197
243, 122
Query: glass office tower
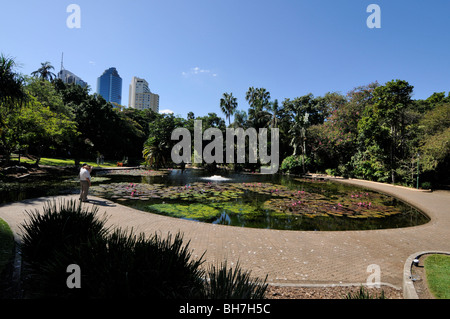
109, 85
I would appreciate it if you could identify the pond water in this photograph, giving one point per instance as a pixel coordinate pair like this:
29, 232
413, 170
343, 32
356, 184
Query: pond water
245, 200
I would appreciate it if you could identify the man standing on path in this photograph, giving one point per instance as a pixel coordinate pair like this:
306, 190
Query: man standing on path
85, 181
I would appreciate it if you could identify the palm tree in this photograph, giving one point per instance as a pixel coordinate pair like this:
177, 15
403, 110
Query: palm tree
44, 72
12, 97
258, 100
240, 119
11, 83
257, 96
274, 109
228, 105
250, 96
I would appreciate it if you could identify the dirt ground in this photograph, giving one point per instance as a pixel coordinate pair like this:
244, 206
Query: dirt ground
337, 292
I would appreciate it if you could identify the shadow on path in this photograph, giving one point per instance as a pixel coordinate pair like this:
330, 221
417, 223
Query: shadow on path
104, 203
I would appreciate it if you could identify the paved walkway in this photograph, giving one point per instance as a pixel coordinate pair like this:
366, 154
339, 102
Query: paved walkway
289, 257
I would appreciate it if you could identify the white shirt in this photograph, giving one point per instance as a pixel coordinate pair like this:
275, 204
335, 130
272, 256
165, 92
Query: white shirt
84, 175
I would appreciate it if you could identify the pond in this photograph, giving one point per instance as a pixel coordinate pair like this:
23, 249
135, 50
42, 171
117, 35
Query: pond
245, 200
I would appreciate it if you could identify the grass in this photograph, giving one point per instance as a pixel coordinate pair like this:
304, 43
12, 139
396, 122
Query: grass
64, 162
437, 269
6, 244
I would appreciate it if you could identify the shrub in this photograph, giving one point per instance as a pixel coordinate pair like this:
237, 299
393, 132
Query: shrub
364, 294
59, 228
55, 239
426, 185
294, 164
117, 264
226, 283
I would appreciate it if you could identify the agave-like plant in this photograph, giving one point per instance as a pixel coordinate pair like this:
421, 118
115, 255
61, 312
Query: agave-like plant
116, 263
363, 293
60, 226
228, 283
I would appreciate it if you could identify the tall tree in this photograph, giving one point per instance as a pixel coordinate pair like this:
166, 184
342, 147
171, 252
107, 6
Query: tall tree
258, 100
274, 109
228, 105
11, 84
384, 121
240, 119
44, 72
12, 97
158, 147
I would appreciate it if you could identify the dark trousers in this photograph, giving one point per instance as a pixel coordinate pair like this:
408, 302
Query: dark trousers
84, 190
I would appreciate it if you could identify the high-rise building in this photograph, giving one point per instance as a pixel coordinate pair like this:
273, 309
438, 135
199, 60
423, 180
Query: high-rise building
109, 85
69, 78
140, 97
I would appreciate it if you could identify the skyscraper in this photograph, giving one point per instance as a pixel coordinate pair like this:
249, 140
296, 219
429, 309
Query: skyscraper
109, 85
69, 78
140, 97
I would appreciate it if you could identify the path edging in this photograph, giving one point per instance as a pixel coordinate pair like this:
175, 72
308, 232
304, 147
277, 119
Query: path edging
409, 291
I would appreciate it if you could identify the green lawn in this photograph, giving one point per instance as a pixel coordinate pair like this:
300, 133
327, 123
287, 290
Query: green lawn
6, 244
437, 268
65, 162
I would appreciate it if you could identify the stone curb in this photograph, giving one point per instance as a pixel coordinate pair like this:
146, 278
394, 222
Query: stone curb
409, 292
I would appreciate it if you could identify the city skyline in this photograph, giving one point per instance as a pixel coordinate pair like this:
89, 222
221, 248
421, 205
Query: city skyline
199, 50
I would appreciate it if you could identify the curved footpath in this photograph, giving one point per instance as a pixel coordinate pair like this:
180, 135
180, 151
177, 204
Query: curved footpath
289, 257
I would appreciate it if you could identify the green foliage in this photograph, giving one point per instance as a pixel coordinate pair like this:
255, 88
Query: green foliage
383, 124
228, 105
6, 244
374, 132
294, 164
435, 145
54, 231
12, 97
370, 165
364, 294
228, 283
44, 72
194, 211
158, 147
11, 85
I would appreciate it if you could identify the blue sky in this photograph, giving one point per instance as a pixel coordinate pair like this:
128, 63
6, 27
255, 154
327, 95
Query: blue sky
191, 52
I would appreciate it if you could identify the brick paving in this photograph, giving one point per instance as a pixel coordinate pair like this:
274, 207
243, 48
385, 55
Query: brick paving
289, 257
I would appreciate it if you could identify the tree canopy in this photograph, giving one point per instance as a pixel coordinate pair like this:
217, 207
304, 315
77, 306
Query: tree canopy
375, 131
